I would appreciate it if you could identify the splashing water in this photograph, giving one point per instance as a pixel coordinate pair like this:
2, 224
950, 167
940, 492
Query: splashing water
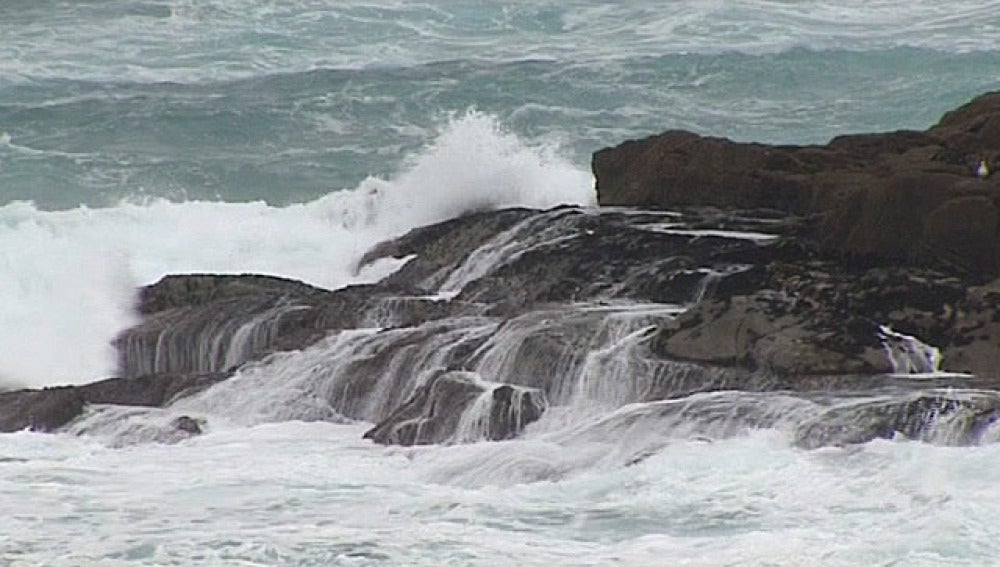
68, 277
907, 354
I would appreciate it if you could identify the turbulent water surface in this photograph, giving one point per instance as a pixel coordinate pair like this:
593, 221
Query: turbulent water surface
145, 137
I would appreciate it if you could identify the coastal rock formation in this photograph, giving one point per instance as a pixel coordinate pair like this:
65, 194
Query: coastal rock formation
900, 196
821, 290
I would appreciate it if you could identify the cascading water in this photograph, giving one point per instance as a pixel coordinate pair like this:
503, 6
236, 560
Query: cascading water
543, 374
214, 343
533, 232
907, 354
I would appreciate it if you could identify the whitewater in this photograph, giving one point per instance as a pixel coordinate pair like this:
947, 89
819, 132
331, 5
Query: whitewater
145, 138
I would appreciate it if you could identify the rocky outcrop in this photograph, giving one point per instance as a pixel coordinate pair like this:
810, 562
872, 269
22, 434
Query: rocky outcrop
903, 196
52, 408
573, 306
459, 406
788, 287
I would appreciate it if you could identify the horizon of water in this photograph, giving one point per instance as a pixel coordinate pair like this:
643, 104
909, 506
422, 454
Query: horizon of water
140, 138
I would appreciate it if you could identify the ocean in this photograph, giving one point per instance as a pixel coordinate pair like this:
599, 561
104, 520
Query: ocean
140, 138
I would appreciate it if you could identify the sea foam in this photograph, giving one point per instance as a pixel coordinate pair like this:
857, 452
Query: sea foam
68, 278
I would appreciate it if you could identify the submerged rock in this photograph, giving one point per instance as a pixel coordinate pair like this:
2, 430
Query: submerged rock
951, 418
189, 425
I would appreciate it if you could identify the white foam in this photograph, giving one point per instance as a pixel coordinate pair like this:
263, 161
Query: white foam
316, 493
67, 278
669, 228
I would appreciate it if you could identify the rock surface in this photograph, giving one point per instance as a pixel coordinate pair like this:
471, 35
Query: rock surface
819, 317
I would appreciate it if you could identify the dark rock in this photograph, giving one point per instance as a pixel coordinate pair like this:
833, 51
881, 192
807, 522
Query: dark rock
207, 323
513, 408
51, 408
820, 317
788, 259
437, 250
154, 390
198, 289
214, 323
188, 425
439, 410
761, 331
39, 410
901, 196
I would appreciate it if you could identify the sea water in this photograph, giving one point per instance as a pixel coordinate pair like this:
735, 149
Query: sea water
145, 137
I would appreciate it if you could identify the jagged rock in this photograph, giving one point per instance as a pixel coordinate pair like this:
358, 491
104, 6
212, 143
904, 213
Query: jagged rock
213, 323
446, 409
902, 196
788, 303
175, 291
51, 408
972, 339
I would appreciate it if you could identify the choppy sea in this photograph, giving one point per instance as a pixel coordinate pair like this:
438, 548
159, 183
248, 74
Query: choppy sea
145, 137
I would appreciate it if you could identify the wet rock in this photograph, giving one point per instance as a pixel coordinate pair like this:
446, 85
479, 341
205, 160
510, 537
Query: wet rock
214, 323
39, 410
436, 249
760, 331
512, 408
569, 254
459, 406
199, 289
52, 408
948, 418
189, 425
823, 316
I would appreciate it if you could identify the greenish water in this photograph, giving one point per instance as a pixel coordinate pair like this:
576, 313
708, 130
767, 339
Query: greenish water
239, 100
